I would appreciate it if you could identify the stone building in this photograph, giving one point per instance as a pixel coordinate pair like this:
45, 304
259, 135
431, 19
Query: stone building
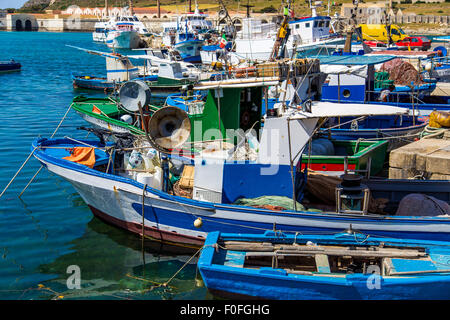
370, 12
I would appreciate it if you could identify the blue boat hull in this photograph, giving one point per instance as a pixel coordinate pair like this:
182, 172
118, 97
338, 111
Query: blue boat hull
92, 83
232, 278
99, 83
285, 287
10, 66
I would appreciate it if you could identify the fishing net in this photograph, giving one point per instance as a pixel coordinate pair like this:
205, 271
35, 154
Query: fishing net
270, 202
402, 72
439, 119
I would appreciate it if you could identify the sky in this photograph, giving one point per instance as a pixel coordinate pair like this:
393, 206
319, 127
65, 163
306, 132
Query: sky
11, 3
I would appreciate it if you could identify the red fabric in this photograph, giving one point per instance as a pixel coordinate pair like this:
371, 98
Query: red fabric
96, 110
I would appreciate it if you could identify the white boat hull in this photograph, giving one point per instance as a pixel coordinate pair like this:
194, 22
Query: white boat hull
123, 39
119, 200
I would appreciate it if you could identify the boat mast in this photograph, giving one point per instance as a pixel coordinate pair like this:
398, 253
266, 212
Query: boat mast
282, 34
248, 6
228, 18
351, 27
130, 4
388, 26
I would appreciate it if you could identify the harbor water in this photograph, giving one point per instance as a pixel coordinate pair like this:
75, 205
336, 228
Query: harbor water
48, 237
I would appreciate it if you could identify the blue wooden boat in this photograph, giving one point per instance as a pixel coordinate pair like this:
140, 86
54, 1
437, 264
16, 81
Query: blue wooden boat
378, 127
9, 66
352, 79
81, 81
345, 266
92, 82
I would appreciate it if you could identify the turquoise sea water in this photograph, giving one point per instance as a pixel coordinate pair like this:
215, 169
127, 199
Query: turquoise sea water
51, 228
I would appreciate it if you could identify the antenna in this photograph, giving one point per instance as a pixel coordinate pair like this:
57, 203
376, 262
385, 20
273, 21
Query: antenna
248, 6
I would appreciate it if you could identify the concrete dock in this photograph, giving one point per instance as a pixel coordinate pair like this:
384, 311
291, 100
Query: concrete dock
428, 158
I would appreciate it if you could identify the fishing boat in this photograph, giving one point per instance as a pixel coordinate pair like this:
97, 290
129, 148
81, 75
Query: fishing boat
167, 78
223, 173
397, 130
105, 113
307, 34
9, 66
334, 157
102, 28
438, 67
348, 266
123, 36
353, 78
186, 35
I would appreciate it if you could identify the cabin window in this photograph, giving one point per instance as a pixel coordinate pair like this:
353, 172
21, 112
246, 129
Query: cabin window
394, 31
315, 24
297, 26
327, 24
346, 93
321, 23
307, 25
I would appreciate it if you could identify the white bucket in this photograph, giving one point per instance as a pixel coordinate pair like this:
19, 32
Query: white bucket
152, 180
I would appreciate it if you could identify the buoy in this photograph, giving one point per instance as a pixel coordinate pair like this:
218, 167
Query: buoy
199, 283
198, 223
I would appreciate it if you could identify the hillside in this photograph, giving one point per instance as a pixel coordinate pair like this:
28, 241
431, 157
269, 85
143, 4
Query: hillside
300, 6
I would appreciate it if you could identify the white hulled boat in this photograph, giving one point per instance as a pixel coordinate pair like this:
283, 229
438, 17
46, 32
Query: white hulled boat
123, 37
186, 34
307, 34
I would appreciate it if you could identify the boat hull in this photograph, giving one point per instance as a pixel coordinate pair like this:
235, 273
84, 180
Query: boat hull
232, 278
190, 50
123, 39
91, 83
9, 67
296, 287
170, 218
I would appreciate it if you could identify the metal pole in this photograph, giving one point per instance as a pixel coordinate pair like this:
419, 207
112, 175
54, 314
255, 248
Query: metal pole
294, 197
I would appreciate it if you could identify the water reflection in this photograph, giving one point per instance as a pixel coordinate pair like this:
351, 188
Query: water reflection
114, 266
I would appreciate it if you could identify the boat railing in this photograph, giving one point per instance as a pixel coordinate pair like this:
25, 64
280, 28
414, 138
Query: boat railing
275, 69
392, 97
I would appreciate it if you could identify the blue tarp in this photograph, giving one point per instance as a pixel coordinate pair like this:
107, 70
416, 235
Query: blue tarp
358, 60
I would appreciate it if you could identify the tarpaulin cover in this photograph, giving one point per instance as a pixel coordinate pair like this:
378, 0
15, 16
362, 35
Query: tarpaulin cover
357, 70
83, 155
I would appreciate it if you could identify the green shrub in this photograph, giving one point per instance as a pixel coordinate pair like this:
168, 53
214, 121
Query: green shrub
270, 9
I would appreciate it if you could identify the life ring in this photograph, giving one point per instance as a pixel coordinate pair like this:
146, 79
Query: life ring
245, 118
